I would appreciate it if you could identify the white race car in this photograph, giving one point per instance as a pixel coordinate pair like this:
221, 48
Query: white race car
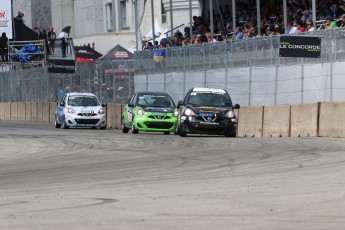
80, 110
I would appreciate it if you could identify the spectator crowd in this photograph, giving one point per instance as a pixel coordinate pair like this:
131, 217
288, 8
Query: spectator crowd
329, 14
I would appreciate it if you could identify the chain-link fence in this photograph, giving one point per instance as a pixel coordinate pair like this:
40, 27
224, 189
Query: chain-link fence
111, 81
250, 69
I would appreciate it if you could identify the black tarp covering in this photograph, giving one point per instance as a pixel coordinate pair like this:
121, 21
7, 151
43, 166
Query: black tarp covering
23, 33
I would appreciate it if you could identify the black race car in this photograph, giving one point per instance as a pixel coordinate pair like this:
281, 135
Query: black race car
207, 111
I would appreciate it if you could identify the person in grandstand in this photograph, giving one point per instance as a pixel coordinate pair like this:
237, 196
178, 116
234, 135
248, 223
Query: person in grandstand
63, 42
51, 39
342, 21
3, 47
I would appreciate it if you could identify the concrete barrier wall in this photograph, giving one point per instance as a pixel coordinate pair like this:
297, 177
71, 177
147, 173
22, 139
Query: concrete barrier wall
52, 107
21, 111
7, 111
34, 107
332, 120
28, 115
14, 111
114, 116
318, 119
276, 121
2, 111
304, 120
250, 121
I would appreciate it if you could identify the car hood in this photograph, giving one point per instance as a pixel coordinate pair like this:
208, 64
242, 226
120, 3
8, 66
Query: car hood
161, 110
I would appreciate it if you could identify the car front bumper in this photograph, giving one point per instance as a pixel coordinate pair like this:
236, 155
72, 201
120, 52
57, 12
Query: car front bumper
82, 121
193, 126
147, 124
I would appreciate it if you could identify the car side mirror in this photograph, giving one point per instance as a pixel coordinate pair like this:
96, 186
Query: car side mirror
62, 104
130, 105
179, 103
237, 106
103, 105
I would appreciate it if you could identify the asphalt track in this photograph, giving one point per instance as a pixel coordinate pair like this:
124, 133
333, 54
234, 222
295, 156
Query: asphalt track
103, 179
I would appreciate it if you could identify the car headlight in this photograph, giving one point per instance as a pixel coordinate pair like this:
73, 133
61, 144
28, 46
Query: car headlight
189, 112
176, 113
141, 112
70, 110
230, 114
101, 111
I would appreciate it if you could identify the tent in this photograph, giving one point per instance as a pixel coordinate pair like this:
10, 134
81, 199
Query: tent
86, 54
117, 53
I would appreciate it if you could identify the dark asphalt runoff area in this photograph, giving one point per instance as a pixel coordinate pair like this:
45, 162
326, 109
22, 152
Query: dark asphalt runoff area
90, 179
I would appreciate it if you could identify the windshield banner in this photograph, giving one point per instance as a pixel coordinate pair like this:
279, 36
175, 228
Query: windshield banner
300, 46
6, 18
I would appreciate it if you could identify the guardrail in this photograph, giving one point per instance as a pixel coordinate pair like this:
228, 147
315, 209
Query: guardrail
324, 119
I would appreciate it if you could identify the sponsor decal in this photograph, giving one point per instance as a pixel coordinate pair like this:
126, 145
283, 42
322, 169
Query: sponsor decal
300, 46
61, 66
5, 18
121, 54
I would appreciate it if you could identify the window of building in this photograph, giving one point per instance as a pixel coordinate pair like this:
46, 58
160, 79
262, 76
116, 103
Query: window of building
163, 13
123, 14
109, 17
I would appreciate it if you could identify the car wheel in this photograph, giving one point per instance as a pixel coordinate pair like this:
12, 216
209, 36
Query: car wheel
56, 124
64, 125
134, 130
181, 132
124, 129
230, 133
166, 133
103, 127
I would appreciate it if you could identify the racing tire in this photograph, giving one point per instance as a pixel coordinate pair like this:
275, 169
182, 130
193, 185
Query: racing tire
230, 133
124, 129
166, 133
56, 124
134, 130
181, 132
64, 126
103, 127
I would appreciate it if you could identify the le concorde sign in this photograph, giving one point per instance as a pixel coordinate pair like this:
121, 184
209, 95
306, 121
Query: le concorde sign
300, 46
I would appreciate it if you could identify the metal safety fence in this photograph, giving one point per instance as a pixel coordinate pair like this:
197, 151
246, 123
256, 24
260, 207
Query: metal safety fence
111, 81
250, 69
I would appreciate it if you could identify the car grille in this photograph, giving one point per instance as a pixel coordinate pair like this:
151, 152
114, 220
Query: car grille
87, 121
87, 114
159, 117
159, 125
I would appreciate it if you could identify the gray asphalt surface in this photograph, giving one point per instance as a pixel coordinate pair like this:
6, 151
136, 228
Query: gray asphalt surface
103, 179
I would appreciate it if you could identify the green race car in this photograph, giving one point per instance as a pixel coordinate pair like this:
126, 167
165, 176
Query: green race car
149, 112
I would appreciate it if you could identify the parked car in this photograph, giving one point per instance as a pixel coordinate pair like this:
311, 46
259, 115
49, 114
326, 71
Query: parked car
80, 110
149, 112
207, 111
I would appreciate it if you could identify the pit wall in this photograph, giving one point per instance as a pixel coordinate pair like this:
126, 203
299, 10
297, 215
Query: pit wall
324, 119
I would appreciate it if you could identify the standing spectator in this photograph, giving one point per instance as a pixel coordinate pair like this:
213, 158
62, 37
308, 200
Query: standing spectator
44, 36
3, 47
63, 42
51, 39
20, 16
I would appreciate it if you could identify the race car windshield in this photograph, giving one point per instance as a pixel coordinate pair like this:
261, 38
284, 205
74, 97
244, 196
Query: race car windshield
155, 101
83, 101
215, 99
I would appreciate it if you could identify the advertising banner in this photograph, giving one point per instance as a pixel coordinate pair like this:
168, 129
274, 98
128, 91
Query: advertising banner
300, 46
61, 66
6, 18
